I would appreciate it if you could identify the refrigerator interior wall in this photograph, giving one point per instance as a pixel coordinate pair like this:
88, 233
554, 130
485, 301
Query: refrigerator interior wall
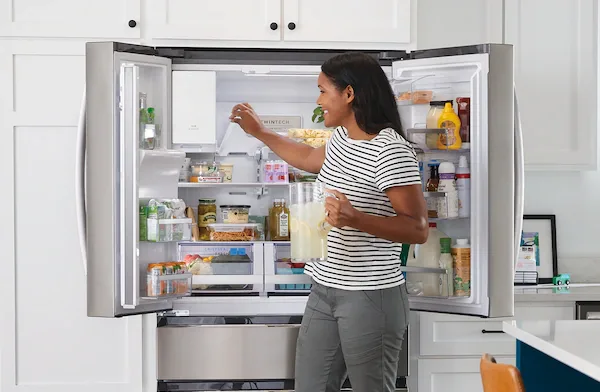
272, 91
449, 79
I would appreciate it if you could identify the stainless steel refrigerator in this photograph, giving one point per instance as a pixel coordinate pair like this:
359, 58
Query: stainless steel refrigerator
121, 174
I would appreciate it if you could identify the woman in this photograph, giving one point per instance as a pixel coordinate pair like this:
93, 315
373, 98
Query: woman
357, 311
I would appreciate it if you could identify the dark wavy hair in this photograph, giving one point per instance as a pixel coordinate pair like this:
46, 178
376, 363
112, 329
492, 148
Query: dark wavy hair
374, 102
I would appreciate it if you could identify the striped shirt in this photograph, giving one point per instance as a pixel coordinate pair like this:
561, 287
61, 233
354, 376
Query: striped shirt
362, 170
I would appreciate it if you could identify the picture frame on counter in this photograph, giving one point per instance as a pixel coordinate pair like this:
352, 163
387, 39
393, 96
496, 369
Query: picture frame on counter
538, 245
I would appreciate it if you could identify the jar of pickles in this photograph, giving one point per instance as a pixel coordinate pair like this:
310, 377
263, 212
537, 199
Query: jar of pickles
207, 214
279, 221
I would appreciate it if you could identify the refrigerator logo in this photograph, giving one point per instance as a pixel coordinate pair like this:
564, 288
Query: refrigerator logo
282, 123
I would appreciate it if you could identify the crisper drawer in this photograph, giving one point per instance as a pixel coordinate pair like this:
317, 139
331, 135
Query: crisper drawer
227, 352
224, 267
281, 275
450, 335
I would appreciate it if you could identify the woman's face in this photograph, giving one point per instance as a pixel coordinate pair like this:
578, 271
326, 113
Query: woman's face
337, 105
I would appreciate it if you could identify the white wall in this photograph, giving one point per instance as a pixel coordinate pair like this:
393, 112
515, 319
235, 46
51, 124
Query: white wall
575, 200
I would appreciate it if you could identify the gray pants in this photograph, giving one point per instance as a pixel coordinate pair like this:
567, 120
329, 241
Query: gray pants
358, 333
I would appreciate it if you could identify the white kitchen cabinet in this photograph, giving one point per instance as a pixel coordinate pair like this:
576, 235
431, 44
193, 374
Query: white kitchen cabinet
469, 22
452, 375
383, 21
48, 344
222, 20
444, 334
445, 349
70, 18
556, 60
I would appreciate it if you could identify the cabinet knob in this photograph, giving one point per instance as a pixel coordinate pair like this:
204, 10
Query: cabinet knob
132, 23
292, 26
273, 26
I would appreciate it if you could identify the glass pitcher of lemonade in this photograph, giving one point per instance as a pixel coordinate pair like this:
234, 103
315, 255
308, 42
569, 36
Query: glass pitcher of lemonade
308, 228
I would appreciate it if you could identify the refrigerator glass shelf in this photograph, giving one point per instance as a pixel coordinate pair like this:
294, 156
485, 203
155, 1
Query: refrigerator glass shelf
231, 184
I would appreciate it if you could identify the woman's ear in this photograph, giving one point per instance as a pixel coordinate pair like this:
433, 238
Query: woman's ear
349, 93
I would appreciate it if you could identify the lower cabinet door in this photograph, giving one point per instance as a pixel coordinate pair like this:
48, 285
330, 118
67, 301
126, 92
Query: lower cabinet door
452, 375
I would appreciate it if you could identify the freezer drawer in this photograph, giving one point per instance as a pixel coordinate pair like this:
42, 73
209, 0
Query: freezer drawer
227, 352
224, 267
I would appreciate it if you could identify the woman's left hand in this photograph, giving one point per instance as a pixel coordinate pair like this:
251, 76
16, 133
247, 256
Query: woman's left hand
339, 212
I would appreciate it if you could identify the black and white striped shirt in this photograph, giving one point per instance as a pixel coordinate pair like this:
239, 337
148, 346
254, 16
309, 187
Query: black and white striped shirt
362, 170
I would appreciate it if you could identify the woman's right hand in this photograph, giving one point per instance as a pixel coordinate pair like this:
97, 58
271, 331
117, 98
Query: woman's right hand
244, 115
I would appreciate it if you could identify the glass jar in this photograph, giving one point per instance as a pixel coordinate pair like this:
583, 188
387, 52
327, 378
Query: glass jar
279, 222
207, 214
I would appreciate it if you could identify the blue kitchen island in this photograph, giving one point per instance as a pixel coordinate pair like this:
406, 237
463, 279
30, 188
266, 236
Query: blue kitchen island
557, 355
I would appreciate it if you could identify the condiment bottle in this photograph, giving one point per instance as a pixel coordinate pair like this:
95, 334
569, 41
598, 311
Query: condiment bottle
451, 123
446, 263
461, 256
279, 221
448, 205
432, 186
463, 184
464, 113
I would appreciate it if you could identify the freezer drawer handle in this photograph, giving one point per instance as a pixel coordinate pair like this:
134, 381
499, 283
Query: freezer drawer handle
592, 316
491, 331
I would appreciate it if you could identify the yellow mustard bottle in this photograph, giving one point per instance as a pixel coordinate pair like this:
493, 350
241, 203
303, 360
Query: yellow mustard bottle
448, 120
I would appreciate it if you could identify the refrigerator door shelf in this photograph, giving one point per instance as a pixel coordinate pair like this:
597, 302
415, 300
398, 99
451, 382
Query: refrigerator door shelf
418, 142
168, 286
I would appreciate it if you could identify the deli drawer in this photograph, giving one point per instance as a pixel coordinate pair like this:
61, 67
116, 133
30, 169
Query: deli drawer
227, 352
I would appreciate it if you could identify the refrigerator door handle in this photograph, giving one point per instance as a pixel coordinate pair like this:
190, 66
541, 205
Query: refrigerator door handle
128, 167
519, 176
80, 202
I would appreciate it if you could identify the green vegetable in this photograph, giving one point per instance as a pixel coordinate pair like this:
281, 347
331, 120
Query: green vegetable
317, 116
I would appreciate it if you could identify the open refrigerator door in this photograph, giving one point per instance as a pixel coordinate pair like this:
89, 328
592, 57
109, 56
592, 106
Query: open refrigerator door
457, 110
133, 217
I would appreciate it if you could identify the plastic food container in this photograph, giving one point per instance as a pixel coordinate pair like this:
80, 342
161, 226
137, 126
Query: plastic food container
302, 176
233, 232
235, 214
313, 141
206, 179
285, 268
418, 97
226, 170
165, 230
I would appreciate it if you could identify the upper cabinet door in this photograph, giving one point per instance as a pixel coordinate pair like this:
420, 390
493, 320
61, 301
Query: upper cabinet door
224, 20
70, 18
357, 21
559, 63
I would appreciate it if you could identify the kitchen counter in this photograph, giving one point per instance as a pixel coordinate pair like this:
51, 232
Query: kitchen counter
553, 354
572, 293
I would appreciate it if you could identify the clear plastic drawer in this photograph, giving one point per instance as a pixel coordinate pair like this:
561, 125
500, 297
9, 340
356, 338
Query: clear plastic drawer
281, 275
223, 267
